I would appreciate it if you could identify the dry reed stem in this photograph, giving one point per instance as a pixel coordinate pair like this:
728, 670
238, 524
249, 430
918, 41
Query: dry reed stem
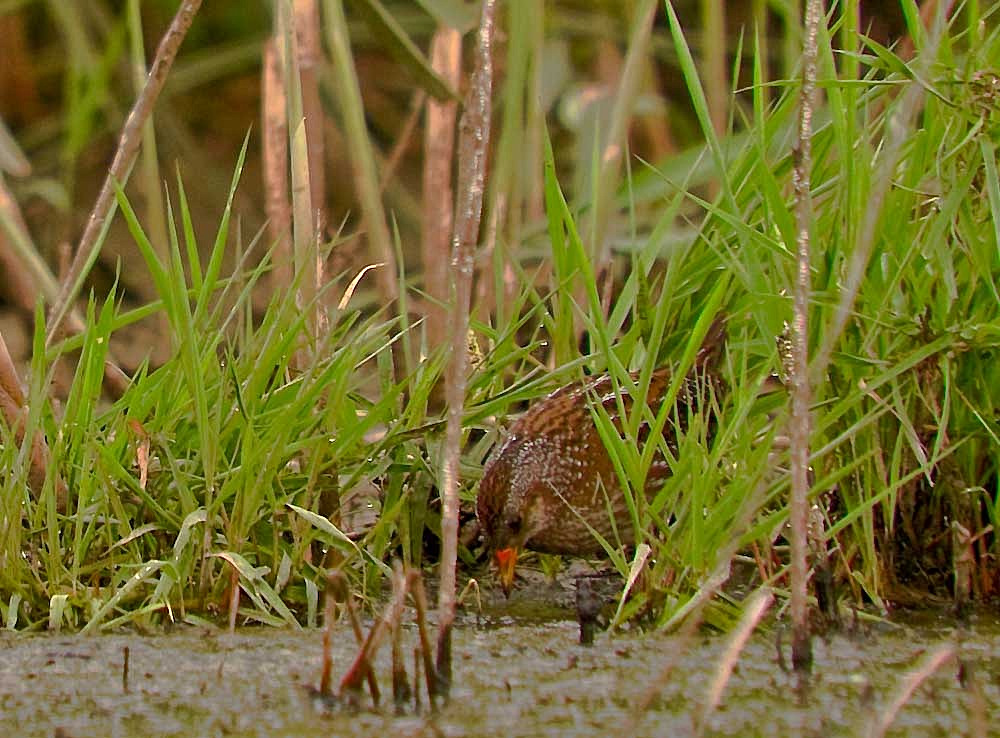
715, 52
121, 165
419, 595
801, 390
306, 22
683, 641
329, 615
351, 681
486, 300
22, 260
963, 563
125, 664
928, 665
656, 125
19, 81
401, 690
403, 140
11, 396
416, 679
14, 408
339, 590
234, 597
28, 275
438, 200
473, 147
305, 227
19, 284
275, 160
752, 614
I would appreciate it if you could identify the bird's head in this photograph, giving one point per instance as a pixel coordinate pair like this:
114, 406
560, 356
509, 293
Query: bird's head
510, 510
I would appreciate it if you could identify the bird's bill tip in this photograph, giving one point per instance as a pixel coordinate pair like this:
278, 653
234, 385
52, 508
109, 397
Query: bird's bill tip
506, 561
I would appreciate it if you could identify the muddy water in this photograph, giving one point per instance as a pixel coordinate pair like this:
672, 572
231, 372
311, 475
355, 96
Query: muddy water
512, 678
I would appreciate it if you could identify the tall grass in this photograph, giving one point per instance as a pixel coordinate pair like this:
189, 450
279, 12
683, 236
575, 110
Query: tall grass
899, 448
237, 452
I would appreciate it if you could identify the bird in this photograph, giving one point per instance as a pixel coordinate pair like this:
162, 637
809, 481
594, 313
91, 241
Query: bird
551, 484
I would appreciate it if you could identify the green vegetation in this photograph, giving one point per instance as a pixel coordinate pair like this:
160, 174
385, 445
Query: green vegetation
236, 461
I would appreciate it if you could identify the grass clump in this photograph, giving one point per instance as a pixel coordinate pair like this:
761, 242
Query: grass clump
207, 464
904, 436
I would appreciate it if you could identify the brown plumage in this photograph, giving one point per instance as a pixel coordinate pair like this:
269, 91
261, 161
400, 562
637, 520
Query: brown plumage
552, 477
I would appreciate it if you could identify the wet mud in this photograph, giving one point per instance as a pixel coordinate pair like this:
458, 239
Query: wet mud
514, 674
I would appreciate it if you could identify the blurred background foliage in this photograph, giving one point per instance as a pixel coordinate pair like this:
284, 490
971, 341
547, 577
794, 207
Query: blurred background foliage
66, 85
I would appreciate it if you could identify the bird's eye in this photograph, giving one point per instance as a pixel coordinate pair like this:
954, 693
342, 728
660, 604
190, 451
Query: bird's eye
514, 523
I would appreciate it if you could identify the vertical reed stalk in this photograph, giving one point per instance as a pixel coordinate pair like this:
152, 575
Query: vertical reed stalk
275, 164
714, 52
439, 146
801, 391
306, 18
473, 145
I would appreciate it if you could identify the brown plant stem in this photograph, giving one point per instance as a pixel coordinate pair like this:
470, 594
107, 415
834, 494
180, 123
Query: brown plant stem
419, 595
234, 597
121, 166
436, 220
713, 17
329, 612
306, 21
305, 227
350, 684
930, 663
473, 145
401, 690
714, 53
29, 278
20, 285
801, 391
339, 590
14, 408
754, 610
125, 662
275, 165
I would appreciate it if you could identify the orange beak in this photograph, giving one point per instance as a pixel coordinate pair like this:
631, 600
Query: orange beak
506, 561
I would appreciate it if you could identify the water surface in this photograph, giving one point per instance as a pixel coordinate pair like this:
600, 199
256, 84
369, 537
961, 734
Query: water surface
511, 678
